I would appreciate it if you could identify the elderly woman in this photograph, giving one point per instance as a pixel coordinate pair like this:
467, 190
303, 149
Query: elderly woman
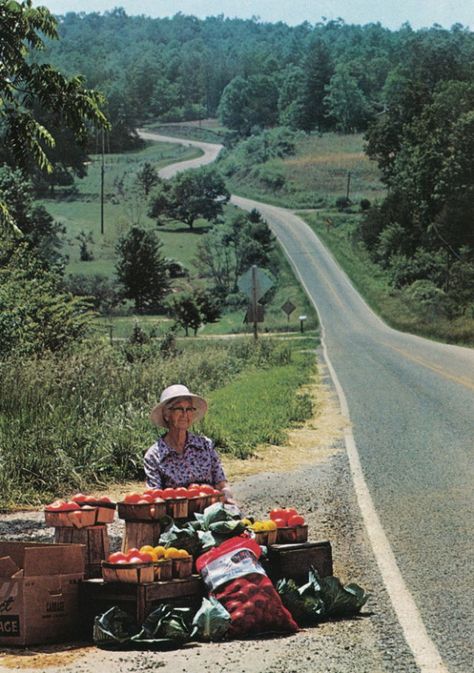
180, 457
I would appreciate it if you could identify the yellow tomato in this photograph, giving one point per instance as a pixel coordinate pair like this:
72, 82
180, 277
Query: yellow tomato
183, 553
159, 551
270, 525
172, 552
246, 522
147, 548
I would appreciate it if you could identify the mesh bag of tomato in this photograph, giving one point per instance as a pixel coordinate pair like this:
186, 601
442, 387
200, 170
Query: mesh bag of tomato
233, 575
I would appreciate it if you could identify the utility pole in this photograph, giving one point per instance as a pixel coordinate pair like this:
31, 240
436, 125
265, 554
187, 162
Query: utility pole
102, 171
254, 301
348, 184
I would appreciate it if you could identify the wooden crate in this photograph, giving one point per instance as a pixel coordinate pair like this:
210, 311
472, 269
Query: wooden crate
140, 533
293, 561
96, 545
138, 600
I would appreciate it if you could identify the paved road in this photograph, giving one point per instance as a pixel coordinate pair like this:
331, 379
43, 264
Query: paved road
209, 153
411, 403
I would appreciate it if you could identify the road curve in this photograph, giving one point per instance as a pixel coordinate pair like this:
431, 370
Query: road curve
411, 404
209, 155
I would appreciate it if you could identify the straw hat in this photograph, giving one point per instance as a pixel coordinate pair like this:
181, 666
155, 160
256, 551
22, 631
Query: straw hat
171, 393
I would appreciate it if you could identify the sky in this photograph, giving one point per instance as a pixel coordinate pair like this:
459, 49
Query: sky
390, 13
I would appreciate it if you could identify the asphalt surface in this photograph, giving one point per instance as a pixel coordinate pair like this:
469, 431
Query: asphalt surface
411, 403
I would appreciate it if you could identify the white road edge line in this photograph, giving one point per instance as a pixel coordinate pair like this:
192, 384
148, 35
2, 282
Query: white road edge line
424, 650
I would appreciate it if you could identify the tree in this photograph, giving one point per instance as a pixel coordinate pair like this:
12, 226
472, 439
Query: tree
345, 102
191, 310
249, 102
23, 81
318, 70
41, 233
147, 177
189, 195
141, 269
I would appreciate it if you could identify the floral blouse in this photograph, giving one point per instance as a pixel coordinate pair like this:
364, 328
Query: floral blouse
199, 462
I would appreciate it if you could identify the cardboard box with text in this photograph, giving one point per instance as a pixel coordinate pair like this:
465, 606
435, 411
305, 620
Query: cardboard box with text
39, 592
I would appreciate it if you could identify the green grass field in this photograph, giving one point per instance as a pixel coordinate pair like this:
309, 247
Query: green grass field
81, 212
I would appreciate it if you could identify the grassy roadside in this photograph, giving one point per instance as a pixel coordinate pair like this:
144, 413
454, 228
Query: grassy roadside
81, 422
373, 284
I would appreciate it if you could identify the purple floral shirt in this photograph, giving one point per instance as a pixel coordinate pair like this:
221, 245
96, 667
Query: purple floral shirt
199, 462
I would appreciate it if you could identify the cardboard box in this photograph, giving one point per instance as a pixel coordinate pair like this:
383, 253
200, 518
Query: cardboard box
39, 592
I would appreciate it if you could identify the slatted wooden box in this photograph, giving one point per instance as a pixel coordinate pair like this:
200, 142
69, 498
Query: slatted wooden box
293, 561
138, 600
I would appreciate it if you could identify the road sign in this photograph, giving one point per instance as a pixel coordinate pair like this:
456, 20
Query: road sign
263, 282
288, 307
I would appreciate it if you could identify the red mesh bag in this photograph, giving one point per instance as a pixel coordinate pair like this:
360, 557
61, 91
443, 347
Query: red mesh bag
236, 579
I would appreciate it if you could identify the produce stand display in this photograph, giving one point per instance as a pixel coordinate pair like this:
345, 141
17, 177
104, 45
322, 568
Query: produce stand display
138, 599
235, 557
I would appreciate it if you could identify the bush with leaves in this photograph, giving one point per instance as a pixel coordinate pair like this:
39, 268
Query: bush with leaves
35, 315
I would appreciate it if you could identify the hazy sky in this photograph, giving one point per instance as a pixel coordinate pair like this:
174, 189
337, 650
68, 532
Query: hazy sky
391, 13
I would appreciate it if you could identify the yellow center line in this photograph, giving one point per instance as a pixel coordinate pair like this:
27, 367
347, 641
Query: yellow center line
467, 383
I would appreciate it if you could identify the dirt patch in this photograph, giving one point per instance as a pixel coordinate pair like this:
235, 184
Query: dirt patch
48, 657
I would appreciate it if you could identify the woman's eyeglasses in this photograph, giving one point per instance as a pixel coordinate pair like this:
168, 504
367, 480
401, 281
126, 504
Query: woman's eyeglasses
184, 410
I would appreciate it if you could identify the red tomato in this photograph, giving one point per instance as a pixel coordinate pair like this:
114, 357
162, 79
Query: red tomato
145, 557
290, 511
132, 498
181, 490
158, 499
133, 551
205, 488
277, 513
296, 520
89, 498
147, 497
116, 557
69, 507
232, 605
79, 497
134, 559
281, 523
105, 498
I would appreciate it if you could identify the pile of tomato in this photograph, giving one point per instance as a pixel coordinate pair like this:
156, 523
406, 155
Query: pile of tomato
286, 517
254, 606
153, 495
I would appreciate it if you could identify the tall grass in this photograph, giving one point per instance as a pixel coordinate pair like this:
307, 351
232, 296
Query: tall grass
315, 176
258, 406
373, 284
70, 421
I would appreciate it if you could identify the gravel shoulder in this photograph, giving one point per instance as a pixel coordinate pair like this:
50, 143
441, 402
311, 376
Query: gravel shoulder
322, 490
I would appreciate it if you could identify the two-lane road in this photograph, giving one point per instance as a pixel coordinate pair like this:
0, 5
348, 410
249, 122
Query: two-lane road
411, 406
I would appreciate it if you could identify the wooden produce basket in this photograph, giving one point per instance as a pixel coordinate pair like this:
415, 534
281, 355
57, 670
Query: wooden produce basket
292, 534
77, 518
216, 497
197, 504
105, 510
95, 541
266, 537
182, 567
135, 573
163, 570
140, 533
177, 508
145, 512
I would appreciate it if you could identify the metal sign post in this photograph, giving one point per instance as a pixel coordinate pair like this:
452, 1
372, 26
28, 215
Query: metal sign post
255, 283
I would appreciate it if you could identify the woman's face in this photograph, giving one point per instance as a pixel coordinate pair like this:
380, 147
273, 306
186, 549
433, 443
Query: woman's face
179, 415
